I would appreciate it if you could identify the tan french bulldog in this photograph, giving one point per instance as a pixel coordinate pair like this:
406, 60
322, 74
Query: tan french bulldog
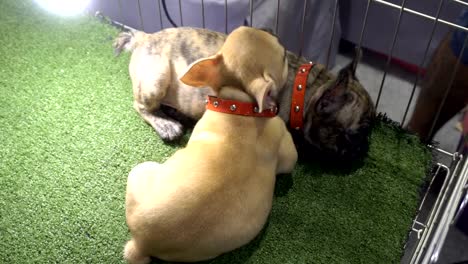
262, 68
199, 203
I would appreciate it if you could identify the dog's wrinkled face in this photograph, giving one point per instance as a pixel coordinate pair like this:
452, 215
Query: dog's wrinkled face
338, 118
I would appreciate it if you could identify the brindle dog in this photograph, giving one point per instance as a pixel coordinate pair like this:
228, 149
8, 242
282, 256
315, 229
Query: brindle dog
337, 112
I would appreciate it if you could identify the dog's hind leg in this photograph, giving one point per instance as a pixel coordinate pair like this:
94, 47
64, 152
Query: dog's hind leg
151, 79
133, 255
139, 183
167, 128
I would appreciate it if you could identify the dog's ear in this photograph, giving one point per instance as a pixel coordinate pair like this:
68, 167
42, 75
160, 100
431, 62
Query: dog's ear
336, 95
205, 72
261, 88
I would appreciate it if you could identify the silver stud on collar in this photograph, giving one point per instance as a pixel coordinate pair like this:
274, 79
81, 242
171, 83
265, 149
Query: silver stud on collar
311, 62
297, 108
299, 87
233, 107
215, 103
256, 109
303, 70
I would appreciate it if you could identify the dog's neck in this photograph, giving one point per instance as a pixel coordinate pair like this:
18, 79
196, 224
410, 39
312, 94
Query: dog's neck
317, 77
231, 93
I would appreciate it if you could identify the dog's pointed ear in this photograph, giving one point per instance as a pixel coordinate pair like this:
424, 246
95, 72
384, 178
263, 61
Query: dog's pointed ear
205, 72
260, 88
336, 95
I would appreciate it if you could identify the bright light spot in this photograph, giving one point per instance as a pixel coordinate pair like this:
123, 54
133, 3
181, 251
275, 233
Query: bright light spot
64, 7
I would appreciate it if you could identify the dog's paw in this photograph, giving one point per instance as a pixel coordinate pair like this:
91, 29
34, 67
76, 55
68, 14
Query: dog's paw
170, 130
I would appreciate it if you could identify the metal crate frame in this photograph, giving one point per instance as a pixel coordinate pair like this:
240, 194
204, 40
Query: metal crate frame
430, 231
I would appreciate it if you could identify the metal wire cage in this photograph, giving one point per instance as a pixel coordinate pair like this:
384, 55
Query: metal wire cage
435, 215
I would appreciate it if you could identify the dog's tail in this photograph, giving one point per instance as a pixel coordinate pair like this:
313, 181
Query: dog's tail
133, 255
126, 40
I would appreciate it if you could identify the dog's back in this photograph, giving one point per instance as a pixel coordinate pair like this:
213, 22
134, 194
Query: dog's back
159, 59
213, 196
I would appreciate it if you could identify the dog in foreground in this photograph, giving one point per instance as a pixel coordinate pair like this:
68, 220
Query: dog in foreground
199, 203
337, 112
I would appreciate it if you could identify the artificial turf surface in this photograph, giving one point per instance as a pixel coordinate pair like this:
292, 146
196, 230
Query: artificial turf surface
69, 136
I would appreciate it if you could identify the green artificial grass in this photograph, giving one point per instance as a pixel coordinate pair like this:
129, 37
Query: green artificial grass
69, 136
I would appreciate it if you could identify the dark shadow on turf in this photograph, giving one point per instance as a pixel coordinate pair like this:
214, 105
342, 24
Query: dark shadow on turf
335, 168
283, 184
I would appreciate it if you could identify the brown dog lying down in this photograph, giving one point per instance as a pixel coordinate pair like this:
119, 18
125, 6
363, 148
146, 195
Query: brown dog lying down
199, 204
337, 111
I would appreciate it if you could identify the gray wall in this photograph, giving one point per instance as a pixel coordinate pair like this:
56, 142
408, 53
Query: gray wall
317, 30
410, 45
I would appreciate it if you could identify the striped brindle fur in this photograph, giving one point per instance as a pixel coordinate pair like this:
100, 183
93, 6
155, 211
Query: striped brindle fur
338, 110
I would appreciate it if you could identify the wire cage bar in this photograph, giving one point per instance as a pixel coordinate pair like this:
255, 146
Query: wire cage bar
390, 54
225, 16
335, 10
140, 16
428, 231
364, 24
423, 61
408, 10
277, 16
203, 13
160, 15
180, 14
251, 12
301, 34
